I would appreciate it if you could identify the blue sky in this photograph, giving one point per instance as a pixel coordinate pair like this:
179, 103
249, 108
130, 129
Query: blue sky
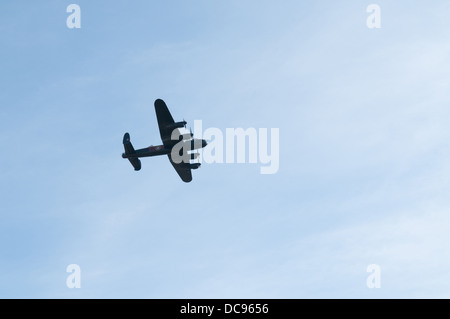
364, 149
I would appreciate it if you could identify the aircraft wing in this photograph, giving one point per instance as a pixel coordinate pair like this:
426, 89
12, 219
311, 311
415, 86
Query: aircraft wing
164, 120
182, 169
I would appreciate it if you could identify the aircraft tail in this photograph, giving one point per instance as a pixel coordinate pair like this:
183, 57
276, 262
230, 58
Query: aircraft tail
129, 150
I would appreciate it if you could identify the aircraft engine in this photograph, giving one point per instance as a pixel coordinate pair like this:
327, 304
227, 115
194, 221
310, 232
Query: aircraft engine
185, 136
176, 125
194, 155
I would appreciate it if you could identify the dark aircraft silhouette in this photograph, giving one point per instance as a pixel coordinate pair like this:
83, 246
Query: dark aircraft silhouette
175, 145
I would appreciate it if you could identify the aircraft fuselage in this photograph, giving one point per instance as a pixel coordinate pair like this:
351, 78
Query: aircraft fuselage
162, 150
149, 151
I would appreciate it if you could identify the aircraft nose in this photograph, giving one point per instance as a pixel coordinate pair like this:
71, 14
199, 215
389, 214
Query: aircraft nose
204, 143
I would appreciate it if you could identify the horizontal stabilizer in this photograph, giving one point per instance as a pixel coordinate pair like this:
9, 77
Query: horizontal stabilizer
135, 162
129, 150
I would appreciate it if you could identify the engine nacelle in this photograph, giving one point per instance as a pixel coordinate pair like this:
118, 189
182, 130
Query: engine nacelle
186, 136
176, 125
194, 165
194, 156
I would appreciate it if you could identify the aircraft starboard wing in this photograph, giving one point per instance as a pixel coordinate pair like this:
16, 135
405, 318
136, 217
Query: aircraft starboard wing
182, 169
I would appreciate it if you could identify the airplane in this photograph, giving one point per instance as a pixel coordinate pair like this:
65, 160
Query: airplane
175, 145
